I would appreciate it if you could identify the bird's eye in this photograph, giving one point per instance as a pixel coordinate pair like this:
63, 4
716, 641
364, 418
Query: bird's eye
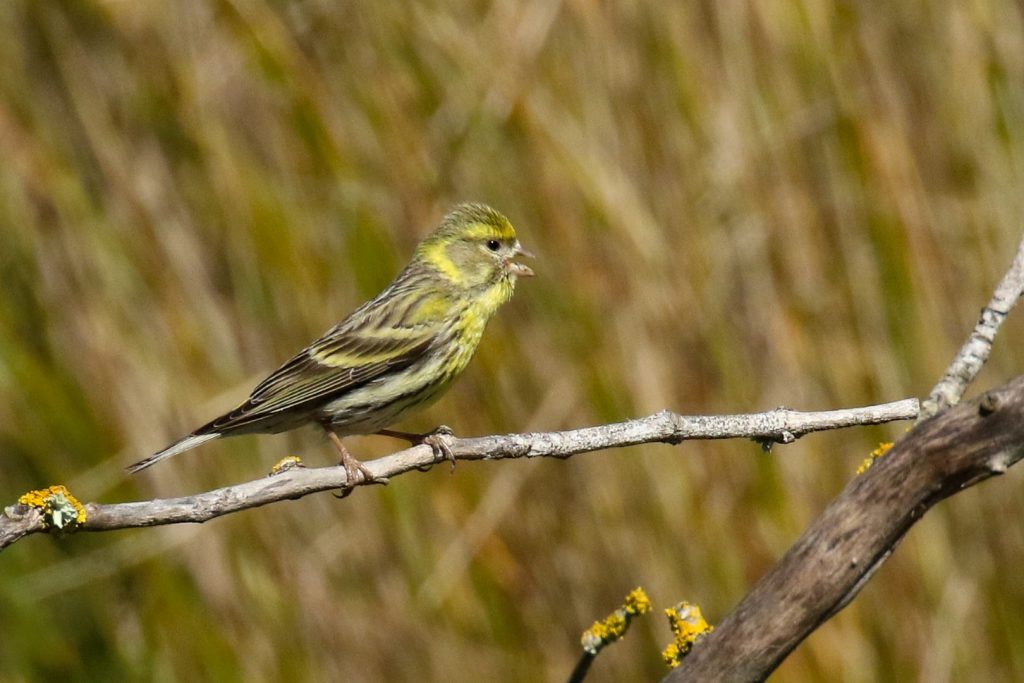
493, 245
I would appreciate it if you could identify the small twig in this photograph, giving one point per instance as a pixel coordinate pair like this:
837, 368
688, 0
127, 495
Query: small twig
973, 354
609, 630
775, 426
582, 667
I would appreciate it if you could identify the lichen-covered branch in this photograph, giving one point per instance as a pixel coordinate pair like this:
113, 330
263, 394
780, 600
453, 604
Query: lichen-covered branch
833, 559
775, 426
973, 354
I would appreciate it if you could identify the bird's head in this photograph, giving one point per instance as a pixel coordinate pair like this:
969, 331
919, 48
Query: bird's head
474, 248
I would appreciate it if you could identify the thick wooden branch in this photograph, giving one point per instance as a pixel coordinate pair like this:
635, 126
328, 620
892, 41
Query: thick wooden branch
836, 556
775, 426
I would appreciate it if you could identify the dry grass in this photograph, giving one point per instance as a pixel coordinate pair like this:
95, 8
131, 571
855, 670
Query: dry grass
736, 205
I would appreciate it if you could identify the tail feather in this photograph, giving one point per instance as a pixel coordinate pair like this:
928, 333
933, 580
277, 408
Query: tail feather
175, 448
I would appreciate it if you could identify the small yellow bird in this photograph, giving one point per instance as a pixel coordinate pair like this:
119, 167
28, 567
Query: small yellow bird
399, 351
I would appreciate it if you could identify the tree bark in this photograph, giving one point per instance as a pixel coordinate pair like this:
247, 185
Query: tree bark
837, 554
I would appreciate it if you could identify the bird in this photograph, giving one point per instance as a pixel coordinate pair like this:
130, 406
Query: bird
398, 352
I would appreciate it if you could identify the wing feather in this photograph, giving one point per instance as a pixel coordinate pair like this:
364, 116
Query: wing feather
373, 341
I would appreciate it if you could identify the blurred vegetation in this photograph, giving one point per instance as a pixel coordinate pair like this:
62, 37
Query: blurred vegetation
736, 205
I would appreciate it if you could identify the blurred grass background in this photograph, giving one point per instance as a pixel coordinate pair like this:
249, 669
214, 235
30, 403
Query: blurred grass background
736, 205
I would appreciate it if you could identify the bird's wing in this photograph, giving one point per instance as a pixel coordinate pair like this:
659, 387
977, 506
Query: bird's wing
372, 342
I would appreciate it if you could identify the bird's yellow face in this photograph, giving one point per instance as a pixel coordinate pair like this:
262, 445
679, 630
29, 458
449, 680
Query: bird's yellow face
474, 248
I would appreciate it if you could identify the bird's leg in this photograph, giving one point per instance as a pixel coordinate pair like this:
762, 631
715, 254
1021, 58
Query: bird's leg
351, 465
439, 440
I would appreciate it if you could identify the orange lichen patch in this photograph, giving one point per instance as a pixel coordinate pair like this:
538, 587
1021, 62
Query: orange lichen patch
688, 626
285, 464
882, 449
614, 626
60, 509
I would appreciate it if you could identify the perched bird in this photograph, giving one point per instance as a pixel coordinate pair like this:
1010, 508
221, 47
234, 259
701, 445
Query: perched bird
399, 351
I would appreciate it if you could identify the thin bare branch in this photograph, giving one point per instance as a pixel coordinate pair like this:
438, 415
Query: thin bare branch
975, 351
775, 426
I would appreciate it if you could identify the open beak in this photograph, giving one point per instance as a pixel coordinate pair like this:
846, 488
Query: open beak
520, 269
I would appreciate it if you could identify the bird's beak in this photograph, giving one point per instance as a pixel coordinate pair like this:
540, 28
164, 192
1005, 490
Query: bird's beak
520, 269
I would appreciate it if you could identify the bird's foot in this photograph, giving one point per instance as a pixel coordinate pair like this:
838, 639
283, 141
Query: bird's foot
439, 440
354, 470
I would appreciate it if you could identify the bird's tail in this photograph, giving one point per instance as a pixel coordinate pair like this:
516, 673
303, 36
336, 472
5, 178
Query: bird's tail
175, 448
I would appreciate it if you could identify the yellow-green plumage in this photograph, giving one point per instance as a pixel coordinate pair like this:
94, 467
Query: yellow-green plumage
397, 352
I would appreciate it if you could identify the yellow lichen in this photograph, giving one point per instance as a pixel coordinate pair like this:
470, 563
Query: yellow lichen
882, 449
61, 510
637, 602
671, 655
688, 626
614, 626
287, 463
